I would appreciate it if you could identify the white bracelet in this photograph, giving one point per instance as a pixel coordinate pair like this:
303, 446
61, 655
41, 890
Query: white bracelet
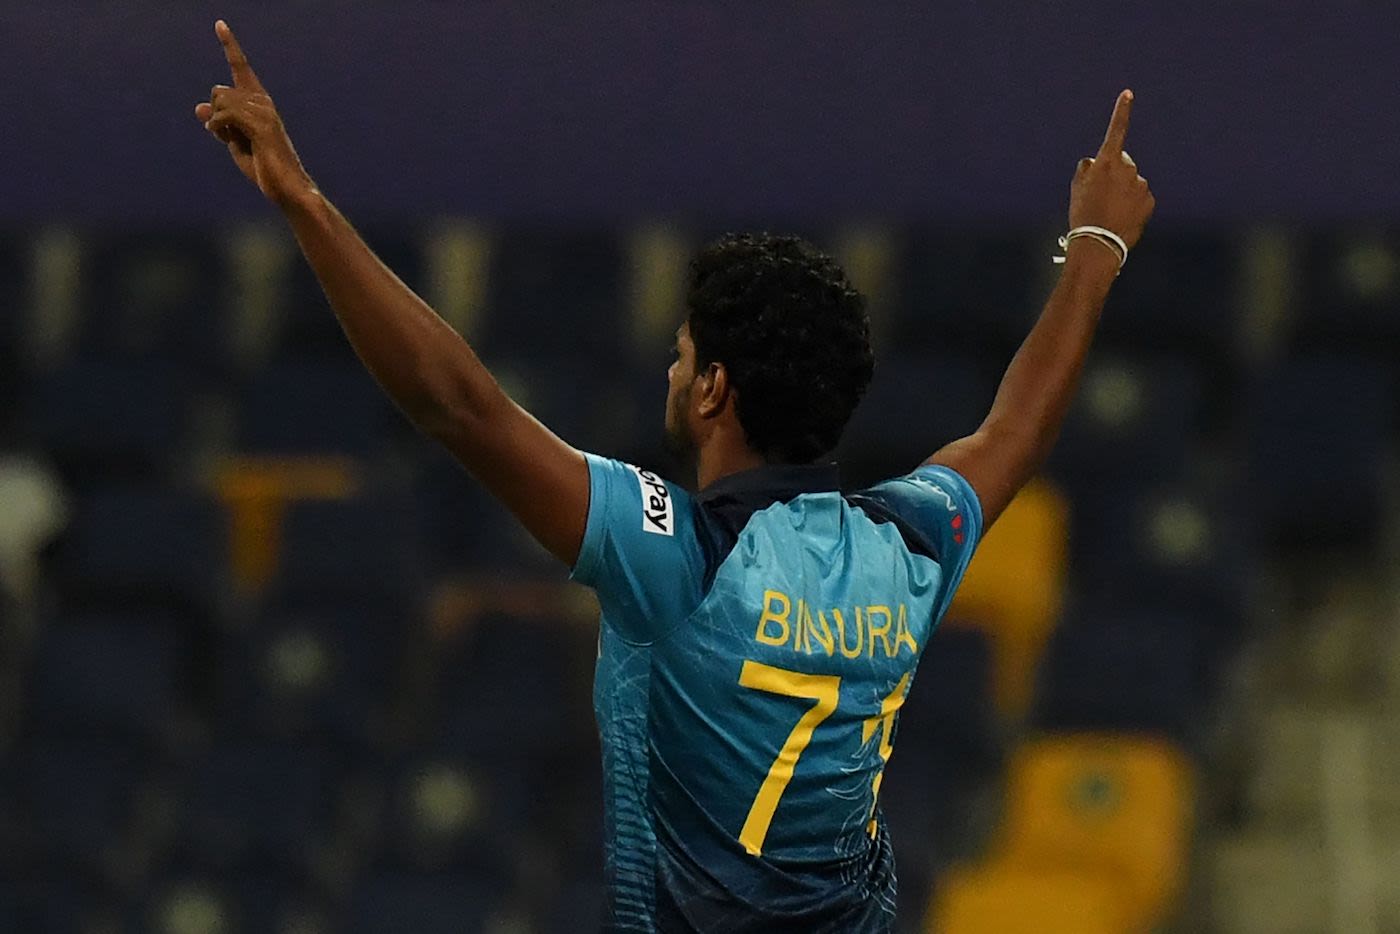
1103, 235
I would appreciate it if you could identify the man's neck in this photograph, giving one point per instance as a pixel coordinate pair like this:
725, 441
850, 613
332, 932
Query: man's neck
716, 461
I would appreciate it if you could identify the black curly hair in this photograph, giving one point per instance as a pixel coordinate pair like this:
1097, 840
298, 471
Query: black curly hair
792, 334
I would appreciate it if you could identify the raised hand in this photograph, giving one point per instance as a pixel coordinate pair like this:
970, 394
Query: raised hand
244, 118
1107, 190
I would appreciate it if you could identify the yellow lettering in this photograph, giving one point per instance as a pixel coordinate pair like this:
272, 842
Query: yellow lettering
882, 631
770, 599
841, 629
823, 636
797, 626
902, 635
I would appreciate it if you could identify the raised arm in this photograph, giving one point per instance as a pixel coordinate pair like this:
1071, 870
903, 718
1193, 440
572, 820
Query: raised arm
426, 367
1030, 406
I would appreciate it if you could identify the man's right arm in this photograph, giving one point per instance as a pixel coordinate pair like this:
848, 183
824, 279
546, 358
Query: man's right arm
425, 366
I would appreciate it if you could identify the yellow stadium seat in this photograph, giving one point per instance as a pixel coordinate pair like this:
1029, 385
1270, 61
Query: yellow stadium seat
999, 899
1116, 805
1014, 589
256, 491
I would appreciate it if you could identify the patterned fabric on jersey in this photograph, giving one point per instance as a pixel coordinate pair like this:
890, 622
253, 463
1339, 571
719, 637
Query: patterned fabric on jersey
757, 642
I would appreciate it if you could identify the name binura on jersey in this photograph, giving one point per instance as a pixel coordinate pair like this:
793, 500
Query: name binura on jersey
859, 630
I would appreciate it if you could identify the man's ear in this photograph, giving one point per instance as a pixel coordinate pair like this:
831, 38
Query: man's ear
714, 390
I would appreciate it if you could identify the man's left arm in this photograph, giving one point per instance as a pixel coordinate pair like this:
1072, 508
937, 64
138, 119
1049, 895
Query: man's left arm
1035, 394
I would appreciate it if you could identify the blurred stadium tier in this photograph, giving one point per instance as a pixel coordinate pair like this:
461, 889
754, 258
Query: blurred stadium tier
287, 670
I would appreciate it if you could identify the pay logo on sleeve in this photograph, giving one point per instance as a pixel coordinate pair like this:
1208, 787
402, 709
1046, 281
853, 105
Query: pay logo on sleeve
658, 516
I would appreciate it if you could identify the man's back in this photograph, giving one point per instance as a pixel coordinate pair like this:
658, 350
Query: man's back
758, 641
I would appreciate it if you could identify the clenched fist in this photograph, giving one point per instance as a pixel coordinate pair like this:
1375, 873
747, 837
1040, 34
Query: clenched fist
245, 119
1107, 190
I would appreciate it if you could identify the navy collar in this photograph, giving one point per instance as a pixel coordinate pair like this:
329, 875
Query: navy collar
775, 482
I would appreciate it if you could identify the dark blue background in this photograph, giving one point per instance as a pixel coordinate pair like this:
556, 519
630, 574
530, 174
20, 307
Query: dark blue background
776, 110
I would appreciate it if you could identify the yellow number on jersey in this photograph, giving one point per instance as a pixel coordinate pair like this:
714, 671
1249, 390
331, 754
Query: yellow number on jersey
825, 690
884, 720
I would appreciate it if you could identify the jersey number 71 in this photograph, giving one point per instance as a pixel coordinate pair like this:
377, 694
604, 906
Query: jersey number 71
826, 691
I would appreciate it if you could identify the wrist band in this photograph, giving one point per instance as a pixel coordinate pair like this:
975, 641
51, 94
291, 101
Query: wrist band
1103, 235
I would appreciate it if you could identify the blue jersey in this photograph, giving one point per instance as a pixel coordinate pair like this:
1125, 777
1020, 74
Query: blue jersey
758, 640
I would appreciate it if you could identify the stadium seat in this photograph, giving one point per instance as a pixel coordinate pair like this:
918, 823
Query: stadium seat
512, 688
256, 805
967, 292
599, 409
465, 527
326, 673
1126, 670
107, 675
1183, 546
558, 295
1133, 419
256, 491
320, 409
1350, 290
152, 295
185, 903
307, 328
443, 815
99, 419
1317, 429
1178, 294
422, 903
1014, 589
946, 747
75, 804
1103, 803
915, 405
144, 548
348, 549
999, 899
14, 322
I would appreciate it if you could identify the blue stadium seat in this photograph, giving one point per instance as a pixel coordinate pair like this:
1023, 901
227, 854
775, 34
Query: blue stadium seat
1316, 431
334, 550
1176, 294
154, 296
601, 409
1132, 418
950, 710
464, 526
75, 804
1126, 670
99, 676
308, 329
253, 901
964, 290
512, 689
327, 672
262, 805
14, 322
422, 903
106, 418
315, 409
142, 547
914, 406
441, 814
57, 903
580, 906
1182, 545
946, 746
1350, 292
561, 295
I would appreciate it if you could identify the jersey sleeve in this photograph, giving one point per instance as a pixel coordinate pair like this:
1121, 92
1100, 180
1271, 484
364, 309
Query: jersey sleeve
639, 550
940, 506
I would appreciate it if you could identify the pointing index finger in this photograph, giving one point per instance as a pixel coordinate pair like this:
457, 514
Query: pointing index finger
243, 74
1118, 125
